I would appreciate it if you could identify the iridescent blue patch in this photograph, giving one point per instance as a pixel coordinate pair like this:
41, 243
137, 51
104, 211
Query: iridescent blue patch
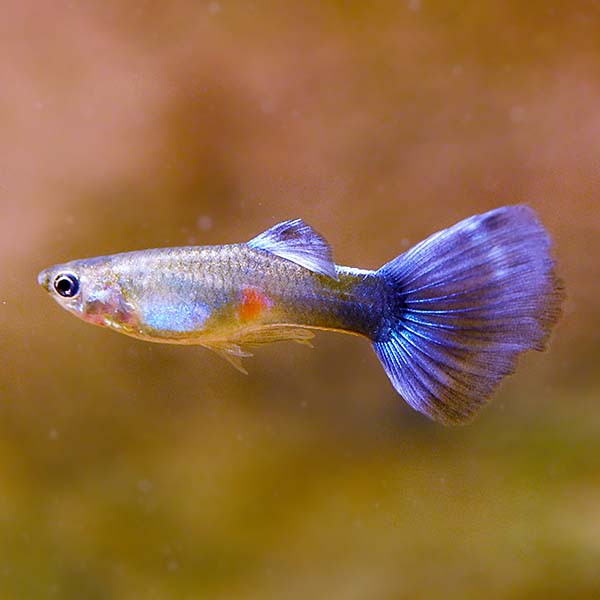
179, 317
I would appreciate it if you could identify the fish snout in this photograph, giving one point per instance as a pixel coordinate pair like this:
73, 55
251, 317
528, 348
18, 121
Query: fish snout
43, 279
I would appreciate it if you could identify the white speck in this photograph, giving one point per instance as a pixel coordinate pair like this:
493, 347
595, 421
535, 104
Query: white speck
144, 486
457, 70
518, 114
214, 8
500, 273
53, 434
204, 222
414, 4
172, 565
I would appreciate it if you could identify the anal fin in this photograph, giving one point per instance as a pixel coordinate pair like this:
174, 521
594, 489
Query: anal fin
232, 353
233, 350
266, 334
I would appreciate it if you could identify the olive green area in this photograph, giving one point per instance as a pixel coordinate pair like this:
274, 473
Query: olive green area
130, 470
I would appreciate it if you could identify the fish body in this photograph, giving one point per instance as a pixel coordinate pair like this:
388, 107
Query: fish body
447, 318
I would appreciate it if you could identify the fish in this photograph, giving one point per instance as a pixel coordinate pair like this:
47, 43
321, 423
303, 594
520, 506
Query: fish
447, 319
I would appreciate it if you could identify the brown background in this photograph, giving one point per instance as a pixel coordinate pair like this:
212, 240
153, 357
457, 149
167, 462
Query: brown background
130, 470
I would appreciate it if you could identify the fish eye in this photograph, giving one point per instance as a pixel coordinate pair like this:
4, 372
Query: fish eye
66, 285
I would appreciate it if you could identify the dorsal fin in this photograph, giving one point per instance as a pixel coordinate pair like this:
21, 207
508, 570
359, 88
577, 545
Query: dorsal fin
298, 242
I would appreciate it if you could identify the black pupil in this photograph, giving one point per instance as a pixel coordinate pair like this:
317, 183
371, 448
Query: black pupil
66, 285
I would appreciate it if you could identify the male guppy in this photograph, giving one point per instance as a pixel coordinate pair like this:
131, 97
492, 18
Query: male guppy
447, 318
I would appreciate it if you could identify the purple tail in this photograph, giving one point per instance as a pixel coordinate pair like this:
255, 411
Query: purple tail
463, 304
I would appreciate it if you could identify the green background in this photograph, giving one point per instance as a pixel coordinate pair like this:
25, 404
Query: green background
130, 470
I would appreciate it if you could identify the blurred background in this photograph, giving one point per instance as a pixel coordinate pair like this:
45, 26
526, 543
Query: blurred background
130, 470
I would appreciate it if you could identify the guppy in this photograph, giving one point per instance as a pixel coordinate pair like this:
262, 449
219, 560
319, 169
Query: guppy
447, 319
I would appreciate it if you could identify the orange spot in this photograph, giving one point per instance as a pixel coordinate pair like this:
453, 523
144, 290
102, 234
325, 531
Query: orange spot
252, 304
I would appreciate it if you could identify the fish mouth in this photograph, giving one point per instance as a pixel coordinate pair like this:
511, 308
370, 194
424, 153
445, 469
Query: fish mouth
43, 279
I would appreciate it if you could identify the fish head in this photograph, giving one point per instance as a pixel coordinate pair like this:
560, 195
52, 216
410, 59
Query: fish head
90, 289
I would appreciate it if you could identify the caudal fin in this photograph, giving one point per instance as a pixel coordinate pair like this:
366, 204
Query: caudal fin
463, 304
